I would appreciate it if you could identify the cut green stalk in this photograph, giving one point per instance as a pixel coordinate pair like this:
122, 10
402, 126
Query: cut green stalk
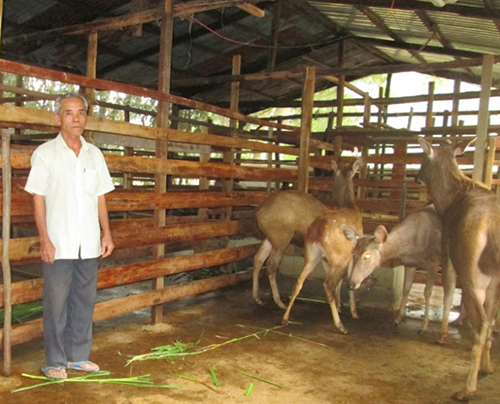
249, 389
306, 299
302, 339
96, 377
181, 350
260, 379
211, 369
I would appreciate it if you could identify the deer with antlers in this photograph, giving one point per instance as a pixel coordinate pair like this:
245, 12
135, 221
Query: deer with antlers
471, 237
286, 214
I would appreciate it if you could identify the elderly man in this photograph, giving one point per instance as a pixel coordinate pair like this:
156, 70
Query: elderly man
68, 180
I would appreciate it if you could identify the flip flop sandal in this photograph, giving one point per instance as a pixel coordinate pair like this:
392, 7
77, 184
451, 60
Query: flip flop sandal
80, 366
49, 371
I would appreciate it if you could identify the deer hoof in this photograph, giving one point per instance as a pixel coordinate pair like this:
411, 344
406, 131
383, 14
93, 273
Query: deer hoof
463, 395
281, 305
442, 339
284, 321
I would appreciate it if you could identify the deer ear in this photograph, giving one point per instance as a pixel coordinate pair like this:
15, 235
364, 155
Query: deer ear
334, 165
426, 146
356, 166
380, 234
459, 148
349, 233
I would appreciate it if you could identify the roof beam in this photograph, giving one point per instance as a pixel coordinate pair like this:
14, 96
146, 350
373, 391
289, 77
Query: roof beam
432, 27
133, 19
428, 49
380, 24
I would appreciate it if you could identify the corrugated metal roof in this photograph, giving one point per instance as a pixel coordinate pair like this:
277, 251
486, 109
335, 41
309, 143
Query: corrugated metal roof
375, 33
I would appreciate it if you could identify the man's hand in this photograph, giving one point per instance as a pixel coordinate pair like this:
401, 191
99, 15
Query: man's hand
47, 251
107, 246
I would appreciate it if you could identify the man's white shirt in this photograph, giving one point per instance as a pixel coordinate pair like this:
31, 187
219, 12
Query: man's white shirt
71, 185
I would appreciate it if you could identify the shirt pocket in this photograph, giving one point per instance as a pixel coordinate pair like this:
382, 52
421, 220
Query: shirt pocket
90, 181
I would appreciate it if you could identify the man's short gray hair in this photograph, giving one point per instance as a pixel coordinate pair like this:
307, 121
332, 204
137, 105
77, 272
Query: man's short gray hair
58, 102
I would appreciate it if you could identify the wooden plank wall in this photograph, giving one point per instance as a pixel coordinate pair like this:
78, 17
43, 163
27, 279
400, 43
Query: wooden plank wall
203, 215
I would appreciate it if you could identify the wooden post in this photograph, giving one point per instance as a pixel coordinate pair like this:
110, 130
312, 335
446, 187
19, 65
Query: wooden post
482, 119
233, 124
162, 120
273, 52
430, 105
490, 160
7, 195
91, 73
305, 127
456, 103
270, 158
340, 87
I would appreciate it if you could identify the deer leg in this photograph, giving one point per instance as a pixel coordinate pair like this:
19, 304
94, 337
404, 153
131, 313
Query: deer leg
338, 288
258, 261
330, 284
312, 256
409, 277
429, 285
272, 268
476, 314
491, 308
449, 283
352, 296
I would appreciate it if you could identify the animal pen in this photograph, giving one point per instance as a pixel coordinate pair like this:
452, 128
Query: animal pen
168, 215
187, 187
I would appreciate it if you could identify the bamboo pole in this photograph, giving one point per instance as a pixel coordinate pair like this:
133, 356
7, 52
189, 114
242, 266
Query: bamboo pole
7, 192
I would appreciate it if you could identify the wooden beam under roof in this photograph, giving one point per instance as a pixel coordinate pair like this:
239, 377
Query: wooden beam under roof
181, 10
336, 71
434, 28
428, 48
380, 24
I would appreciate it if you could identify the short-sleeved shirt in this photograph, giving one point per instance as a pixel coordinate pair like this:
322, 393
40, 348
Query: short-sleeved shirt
71, 185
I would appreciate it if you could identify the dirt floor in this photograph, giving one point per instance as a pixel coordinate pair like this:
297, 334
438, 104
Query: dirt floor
375, 363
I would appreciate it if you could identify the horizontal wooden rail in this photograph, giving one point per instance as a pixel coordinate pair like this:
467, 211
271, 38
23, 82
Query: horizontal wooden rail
34, 329
30, 116
31, 290
46, 74
122, 201
28, 248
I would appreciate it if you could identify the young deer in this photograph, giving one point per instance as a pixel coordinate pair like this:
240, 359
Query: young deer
288, 213
471, 237
325, 238
415, 243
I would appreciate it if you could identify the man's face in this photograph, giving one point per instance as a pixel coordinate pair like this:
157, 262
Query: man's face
73, 117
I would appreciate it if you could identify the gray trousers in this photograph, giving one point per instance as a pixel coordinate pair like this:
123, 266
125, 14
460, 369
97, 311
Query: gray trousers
69, 293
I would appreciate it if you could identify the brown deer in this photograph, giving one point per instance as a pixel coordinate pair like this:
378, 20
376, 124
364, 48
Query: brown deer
471, 237
288, 213
325, 239
415, 243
